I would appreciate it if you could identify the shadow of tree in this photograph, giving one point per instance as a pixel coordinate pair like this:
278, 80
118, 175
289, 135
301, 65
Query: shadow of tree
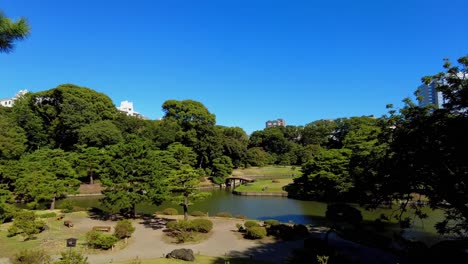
154, 223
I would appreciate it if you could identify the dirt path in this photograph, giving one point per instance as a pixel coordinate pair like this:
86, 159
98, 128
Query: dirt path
149, 243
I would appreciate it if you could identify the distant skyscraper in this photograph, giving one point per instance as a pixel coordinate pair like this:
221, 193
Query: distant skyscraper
275, 123
430, 95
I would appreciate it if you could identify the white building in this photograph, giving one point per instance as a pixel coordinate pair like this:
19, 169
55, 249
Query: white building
9, 102
127, 107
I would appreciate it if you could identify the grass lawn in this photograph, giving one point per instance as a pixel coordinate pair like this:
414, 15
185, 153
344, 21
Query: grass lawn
268, 171
258, 185
198, 260
52, 240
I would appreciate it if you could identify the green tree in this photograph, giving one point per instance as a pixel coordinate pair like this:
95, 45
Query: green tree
25, 224
258, 157
99, 134
11, 31
91, 162
325, 177
45, 175
12, 138
235, 142
319, 132
132, 177
124, 229
183, 183
222, 167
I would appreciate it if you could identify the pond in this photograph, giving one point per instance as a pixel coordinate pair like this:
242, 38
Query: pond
282, 209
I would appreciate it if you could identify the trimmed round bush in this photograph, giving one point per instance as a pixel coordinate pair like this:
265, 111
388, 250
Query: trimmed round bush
123, 229
224, 214
300, 230
251, 223
271, 222
202, 225
198, 213
181, 225
256, 232
170, 211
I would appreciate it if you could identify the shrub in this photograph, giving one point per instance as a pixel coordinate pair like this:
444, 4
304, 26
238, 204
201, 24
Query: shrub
30, 257
202, 225
123, 229
72, 257
181, 225
240, 228
250, 223
198, 213
47, 215
300, 230
25, 223
170, 211
96, 239
224, 214
67, 206
106, 241
256, 232
271, 222
243, 217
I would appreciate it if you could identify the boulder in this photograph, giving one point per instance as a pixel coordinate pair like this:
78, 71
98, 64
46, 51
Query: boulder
182, 254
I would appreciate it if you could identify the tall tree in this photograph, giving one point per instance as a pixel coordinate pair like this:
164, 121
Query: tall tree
11, 31
132, 177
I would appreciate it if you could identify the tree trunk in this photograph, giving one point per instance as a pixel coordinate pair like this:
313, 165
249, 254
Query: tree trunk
185, 208
134, 211
91, 174
52, 204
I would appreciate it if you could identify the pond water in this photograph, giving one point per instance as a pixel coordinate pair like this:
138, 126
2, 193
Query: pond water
279, 208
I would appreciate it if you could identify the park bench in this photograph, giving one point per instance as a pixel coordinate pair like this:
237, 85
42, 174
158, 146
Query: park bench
102, 228
60, 216
68, 223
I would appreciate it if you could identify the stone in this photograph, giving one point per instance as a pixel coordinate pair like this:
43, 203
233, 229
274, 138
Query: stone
182, 254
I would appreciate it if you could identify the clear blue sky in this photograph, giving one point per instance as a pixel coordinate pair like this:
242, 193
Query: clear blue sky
247, 61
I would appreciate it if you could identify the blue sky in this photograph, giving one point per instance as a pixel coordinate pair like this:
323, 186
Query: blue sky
247, 61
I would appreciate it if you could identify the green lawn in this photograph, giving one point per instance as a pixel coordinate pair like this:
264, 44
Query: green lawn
287, 171
198, 260
259, 185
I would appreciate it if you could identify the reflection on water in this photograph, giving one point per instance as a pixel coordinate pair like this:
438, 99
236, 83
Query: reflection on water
282, 209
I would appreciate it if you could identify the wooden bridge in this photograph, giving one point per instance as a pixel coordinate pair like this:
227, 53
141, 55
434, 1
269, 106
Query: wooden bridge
232, 180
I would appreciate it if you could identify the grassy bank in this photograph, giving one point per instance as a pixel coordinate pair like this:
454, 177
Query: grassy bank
265, 186
287, 171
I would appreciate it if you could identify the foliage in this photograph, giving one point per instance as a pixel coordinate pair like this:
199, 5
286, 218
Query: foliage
271, 222
198, 213
224, 214
124, 229
222, 168
12, 137
72, 257
170, 211
67, 206
48, 215
97, 239
202, 225
31, 257
256, 232
25, 223
251, 223
11, 31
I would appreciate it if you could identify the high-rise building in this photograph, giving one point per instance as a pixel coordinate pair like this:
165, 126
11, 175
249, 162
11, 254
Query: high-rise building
430, 95
275, 123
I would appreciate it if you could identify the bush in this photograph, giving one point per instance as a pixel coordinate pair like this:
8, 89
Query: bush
251, 223
96, 239
256, 232
67, 206
47, 215
300, 230
170, 211
243, 217
30, 257
198, 213
224, 214
271, 222
202, 225
25, 224
123, 229
72, 257
181, 225
106, 241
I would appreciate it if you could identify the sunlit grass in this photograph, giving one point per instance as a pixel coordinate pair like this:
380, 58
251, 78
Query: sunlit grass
286, 171
265, 186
